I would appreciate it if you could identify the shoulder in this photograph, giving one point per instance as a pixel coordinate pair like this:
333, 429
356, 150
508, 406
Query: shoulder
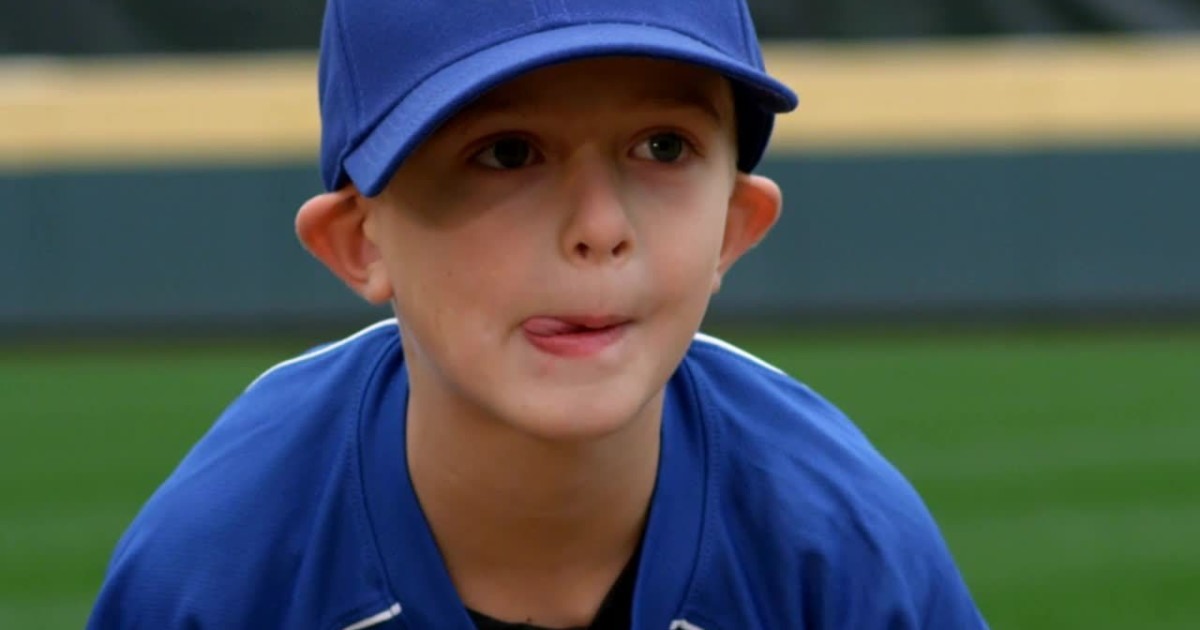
227, 540
800, 449
759, 411
799, 492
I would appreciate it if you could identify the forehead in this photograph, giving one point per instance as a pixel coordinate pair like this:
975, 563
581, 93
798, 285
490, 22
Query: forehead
611, 83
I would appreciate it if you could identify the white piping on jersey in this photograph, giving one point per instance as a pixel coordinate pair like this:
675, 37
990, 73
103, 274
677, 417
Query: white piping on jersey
701, 337
725, 345
376, 619
394, 611
322, 350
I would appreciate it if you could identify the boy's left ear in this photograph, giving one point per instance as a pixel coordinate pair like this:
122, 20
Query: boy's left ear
754, 206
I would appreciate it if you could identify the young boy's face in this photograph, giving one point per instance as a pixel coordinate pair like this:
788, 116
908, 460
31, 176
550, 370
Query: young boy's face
551, 250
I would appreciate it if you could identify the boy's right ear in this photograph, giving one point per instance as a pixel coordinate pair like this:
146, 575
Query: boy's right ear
332, 226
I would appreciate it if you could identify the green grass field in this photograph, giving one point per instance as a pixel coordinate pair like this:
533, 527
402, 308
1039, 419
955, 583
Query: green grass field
1064, 468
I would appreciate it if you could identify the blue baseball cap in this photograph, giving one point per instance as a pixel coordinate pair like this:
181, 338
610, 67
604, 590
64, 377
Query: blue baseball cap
392, 71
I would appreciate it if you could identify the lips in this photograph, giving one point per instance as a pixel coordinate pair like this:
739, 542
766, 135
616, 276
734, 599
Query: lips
574, 336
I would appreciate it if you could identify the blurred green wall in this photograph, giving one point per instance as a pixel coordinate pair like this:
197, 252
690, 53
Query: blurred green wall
1096, 233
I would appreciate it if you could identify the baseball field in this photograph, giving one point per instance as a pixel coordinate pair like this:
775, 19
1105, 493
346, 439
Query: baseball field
1063, 467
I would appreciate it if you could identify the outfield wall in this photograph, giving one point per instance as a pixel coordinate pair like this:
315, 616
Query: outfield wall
989, 179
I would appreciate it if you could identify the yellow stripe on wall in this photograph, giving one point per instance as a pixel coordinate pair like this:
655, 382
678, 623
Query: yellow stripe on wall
233, 109
854, 97
996, 93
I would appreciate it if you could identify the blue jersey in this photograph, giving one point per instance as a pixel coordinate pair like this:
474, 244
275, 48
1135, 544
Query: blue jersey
771, 511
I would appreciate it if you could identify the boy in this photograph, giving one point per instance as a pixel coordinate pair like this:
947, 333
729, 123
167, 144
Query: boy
547, 193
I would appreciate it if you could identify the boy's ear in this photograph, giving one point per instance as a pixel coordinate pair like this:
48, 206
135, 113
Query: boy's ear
333, 227
754, 206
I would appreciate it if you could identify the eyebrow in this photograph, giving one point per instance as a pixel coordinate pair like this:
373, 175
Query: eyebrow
673, 98
685, 99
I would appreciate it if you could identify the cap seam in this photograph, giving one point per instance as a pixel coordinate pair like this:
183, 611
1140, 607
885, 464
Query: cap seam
356, 95
605, 19
355, 85
745, 32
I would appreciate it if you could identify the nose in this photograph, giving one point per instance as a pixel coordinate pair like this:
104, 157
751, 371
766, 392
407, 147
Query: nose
598, 228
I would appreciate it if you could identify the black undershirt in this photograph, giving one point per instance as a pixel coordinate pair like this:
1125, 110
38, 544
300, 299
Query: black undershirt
615, 613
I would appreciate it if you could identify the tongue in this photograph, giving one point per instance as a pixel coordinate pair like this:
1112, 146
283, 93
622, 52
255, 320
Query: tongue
549, 326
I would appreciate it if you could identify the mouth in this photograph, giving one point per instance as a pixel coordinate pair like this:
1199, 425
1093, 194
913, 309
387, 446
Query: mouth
575, 336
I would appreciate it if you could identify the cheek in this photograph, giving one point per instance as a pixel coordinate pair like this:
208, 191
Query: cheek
441, 309
683, 236
453, 283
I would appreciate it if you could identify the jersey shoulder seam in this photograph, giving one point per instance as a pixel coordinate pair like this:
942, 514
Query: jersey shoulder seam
722, 345
320, 351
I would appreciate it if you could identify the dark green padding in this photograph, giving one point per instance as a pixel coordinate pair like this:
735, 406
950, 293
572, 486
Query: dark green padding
993, 233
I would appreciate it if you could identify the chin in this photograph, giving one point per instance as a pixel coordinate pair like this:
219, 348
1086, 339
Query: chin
578, 419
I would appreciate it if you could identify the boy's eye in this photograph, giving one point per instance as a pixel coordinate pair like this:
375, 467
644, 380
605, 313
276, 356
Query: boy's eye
507, 153
662, 147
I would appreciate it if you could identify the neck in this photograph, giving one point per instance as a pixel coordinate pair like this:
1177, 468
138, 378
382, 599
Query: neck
555, 521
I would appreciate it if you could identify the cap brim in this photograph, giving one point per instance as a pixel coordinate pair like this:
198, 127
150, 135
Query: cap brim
371, 164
